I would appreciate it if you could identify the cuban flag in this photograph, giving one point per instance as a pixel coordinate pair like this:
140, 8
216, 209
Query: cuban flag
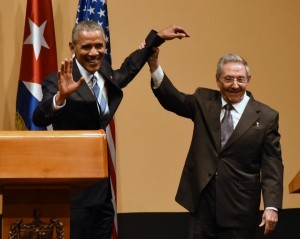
38, 60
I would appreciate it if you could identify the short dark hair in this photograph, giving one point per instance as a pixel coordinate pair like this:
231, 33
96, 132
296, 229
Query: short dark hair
85, 26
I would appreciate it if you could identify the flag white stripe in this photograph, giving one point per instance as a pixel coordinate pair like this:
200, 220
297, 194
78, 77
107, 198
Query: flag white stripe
111, 145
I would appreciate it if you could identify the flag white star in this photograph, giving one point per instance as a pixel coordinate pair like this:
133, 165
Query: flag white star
101, 13
103, 2
36, 38
91, 10
106, 39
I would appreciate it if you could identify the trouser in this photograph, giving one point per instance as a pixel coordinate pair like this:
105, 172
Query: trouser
93, 222
203, 223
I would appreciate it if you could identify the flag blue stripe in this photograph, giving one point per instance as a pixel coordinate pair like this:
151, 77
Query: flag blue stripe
26, 104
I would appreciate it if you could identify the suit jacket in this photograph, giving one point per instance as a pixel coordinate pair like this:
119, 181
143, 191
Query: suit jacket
249, 163
81, 110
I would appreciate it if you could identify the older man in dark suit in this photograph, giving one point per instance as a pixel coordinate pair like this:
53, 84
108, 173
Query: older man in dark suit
235, 153
84, 95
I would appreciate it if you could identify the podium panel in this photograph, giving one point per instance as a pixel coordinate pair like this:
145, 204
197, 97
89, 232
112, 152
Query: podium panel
39, 169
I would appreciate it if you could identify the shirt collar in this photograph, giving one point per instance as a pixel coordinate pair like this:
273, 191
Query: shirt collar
86, 74
239, 107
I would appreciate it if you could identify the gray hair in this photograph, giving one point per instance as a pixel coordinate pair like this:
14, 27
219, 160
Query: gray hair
85, 26
231, 58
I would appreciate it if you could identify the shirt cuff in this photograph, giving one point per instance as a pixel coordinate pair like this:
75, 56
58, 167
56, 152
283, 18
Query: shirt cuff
57, 107
272, 208
157, 77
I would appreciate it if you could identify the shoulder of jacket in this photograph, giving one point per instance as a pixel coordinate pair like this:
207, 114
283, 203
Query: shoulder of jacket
106, 70
206, 92
265, 108
52, 77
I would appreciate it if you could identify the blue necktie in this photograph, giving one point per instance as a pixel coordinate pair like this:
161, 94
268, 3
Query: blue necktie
100, 97
226, 125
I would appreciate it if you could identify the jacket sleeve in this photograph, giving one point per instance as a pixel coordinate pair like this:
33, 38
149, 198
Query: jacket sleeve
43, 114
136, 60
272, 167
175, 101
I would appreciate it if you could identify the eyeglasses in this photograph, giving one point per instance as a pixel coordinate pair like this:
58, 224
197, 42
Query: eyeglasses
230, 80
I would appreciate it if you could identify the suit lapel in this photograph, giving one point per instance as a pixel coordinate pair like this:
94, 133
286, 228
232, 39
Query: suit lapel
85, 92
211, 112
249, 117
114, 92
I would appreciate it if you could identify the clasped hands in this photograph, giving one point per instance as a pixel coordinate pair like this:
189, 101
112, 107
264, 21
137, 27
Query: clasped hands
168, 33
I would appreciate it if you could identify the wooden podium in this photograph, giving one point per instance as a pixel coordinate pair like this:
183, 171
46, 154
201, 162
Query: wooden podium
40, 169
294, 186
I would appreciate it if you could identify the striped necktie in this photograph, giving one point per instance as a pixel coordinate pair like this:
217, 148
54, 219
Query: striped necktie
226, 124
100, 97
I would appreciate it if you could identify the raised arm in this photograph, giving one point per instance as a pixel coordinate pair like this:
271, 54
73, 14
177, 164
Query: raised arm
66, 84
172, 32
136, 60
153, 59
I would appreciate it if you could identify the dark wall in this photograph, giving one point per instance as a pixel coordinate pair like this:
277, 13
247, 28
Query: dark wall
175, 226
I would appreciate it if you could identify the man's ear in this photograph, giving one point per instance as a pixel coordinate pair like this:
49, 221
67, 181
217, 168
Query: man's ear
71, 46
249, 77
218, 82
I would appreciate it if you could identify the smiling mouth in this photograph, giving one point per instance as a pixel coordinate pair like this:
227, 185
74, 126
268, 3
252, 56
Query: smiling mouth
234, 92
234, 95
93, 61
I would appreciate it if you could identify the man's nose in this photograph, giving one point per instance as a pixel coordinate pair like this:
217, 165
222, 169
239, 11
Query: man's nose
94, 51
235, 84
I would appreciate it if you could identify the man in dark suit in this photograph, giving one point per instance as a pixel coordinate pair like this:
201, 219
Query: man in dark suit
70, 103
222, 181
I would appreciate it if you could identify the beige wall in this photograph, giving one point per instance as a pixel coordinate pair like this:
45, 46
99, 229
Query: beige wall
152, 143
